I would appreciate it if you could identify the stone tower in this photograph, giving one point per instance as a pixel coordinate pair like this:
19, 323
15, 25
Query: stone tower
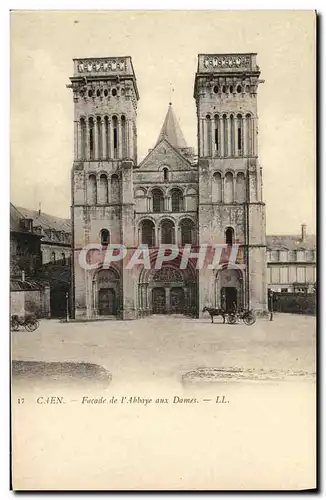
105, 151
231, 208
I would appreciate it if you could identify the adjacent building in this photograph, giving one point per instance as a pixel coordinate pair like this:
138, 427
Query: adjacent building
40, 262
54, 233
291, 262
25, 245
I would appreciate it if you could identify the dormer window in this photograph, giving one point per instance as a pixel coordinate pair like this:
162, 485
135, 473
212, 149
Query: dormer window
26, 224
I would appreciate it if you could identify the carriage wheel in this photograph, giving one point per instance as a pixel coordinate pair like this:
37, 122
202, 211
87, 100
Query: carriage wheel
31, 325
249, 319
14, 325
232, 319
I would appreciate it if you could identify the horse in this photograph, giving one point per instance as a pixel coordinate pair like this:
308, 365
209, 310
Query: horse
215, 312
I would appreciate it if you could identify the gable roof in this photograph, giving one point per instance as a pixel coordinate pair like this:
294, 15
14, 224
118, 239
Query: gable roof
171, 130
155, 150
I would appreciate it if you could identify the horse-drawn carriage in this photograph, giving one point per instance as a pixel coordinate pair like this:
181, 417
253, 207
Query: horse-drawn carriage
232, 317
29, 322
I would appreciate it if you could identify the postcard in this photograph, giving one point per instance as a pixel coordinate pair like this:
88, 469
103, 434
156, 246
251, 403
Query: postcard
163, 250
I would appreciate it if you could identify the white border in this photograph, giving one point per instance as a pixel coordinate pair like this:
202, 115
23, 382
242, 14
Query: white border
4, 185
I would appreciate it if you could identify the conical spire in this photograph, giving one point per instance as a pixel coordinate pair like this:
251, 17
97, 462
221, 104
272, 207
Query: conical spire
171, 130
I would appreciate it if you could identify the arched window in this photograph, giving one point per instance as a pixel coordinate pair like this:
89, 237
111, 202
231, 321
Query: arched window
63, 259
105, 237
187, 232
166, 174
91, 190
115, 189
228, 188
225, 135
103, 191
167, 232
177, 200
53, 257
232, 152
209, 135
91, 138
239, 135
240, 188
249, 135
147, 233
99, 138
106, 129
158, 201
115, 136
229, 236
216, 135
124, 136
217, 188
83, 138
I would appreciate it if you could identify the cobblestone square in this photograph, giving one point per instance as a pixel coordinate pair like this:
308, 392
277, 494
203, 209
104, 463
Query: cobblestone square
168, 347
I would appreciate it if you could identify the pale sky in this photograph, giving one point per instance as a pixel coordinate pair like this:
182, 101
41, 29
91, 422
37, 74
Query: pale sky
164, 47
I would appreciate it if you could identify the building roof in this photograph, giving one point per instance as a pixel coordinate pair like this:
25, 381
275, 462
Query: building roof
18, 285
45, 221
291, 242
49, 228
171, 130
15, 217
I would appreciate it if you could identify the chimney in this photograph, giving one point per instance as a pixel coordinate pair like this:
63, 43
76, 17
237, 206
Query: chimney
23, 275
303, 232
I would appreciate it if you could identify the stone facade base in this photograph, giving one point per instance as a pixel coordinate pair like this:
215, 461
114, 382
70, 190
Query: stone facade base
129, 314
261, 313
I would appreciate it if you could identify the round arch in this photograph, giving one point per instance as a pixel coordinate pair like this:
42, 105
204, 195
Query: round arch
153, 188
163, 165
229, 288
145, 217
175, 188
106, 291
186, 216
167, 290
140, 192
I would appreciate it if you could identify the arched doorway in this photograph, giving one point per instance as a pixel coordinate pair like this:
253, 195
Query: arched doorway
229, 291
168, 290
106, 293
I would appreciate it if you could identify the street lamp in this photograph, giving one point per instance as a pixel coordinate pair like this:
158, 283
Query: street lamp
67, 307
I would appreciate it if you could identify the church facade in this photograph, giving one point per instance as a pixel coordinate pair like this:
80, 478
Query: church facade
172, 197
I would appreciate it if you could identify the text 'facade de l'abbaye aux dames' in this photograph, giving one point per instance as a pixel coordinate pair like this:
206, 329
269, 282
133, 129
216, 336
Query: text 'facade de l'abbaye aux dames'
173, 196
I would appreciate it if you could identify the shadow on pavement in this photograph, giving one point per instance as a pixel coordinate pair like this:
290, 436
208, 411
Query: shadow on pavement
57, 371
239, 374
